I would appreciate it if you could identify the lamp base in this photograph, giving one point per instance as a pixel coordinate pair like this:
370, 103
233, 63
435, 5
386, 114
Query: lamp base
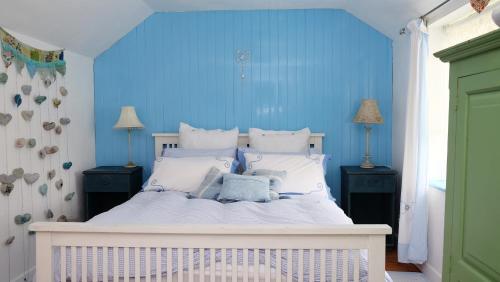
130, 165
367, 163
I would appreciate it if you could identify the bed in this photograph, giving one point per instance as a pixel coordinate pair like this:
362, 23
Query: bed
173, 238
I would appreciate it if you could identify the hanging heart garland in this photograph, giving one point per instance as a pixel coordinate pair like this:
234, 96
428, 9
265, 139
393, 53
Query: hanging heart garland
479, 5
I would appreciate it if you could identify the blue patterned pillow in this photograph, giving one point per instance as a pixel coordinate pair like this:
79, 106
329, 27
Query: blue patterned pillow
244, 188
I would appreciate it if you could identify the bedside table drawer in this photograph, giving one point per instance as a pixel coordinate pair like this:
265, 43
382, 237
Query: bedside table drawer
107, 183
370, 183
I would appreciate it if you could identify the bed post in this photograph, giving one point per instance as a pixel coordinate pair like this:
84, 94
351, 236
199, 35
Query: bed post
44, 257
376, 258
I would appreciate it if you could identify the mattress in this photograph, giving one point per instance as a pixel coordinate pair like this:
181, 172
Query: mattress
149, 208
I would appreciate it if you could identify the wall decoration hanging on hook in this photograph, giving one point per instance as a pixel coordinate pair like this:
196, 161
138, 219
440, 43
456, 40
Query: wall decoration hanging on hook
242, 58
47, 63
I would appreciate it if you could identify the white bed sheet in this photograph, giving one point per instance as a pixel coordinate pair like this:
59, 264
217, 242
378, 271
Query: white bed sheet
150, 208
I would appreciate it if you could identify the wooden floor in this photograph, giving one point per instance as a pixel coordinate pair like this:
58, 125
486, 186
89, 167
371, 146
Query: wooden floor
392, 264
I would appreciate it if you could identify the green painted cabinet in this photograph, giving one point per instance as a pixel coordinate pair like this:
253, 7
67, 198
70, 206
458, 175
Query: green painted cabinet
472, 220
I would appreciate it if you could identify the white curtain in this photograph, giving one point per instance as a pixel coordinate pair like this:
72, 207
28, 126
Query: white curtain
412, 243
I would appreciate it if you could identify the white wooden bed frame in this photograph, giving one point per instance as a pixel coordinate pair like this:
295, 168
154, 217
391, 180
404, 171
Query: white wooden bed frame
211, 239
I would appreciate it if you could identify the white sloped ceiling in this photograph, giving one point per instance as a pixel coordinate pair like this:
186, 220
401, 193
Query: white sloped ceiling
90, 27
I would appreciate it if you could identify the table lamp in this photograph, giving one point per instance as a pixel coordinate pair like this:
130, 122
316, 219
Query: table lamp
129, 120
368, 114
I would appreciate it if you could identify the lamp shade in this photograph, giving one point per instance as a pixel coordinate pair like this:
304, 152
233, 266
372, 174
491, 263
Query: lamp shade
128, 119
368, 113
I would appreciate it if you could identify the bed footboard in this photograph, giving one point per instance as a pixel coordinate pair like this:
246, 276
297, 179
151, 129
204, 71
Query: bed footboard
84, 252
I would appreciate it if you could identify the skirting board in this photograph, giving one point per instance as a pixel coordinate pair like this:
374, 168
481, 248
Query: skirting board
432, 274
30, 275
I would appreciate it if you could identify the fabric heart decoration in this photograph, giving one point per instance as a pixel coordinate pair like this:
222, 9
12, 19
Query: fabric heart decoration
64, 121
49, 214
63, 91
27, 115
56, 102
7, 57
69, 196
22, 218
42, 154
40, 99
51, 150
49, 125
62, 218
10, 240
20, 142
26, 89
479, 5
3, 78
5, 119
67, 165
58, 130
51, 174
7, 179
18, 100
31, 143
6, 188
43, 189
18, 172
59, 184
31, 178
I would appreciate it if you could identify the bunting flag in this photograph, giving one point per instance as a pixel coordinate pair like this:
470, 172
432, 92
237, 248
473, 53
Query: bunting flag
479, 5
46, 63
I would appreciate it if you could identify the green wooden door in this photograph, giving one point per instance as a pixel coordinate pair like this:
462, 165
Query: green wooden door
474, 219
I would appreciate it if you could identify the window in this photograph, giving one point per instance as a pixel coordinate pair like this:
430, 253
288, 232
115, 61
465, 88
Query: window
455, 28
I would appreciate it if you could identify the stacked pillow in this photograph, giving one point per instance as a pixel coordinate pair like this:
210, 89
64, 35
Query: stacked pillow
277, 162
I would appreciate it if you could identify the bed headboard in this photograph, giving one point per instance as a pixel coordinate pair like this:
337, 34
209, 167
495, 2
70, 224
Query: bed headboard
170, 140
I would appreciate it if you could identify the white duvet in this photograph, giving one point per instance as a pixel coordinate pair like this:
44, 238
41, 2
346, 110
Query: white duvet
156, 208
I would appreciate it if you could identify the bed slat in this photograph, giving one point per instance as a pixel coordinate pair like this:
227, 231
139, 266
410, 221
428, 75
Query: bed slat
169, 264
84, 264
105, 264
289, 265
94, 264
63, 264
148, 264
278, 265
345, 265
137, 260
126, 264
74, 270
158, 265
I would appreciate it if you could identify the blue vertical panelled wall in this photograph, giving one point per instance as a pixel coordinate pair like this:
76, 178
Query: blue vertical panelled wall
307, 68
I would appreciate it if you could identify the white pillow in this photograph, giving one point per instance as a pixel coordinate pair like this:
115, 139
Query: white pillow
199, 138
184, 174
279, 141
304, 172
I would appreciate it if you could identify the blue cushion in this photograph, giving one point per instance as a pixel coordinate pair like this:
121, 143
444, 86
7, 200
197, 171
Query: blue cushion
244, 188
211, 185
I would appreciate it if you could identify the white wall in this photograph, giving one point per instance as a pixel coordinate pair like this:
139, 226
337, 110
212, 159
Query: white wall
77, 144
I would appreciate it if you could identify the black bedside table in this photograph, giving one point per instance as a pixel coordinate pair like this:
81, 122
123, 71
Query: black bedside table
369, 196
108, 186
